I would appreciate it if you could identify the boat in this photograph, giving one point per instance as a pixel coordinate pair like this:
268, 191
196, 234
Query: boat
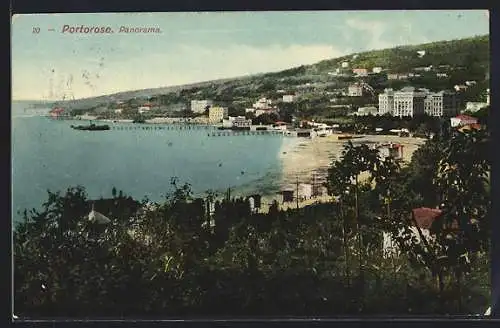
90, 127
345, 136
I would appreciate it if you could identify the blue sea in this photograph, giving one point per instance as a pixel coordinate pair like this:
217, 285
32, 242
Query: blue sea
48, 155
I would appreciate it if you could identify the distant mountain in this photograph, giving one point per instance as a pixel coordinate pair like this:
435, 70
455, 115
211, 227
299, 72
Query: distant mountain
472, 55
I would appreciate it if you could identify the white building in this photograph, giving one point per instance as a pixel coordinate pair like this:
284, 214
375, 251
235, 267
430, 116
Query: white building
488, 96
345, 64
363, 111
390, 150
360, 71
236, 122
217, 114
377, 70
305, 191
355, 90
288, 98
262, 103
408, 102
460, 87
119, 110
249, 110
259, 112
440, 103
386, 102
144, 109
475, 106
470, 83
199, 106
241, 122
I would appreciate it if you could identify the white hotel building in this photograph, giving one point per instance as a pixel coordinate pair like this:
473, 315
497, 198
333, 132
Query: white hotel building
411, 102
440, 103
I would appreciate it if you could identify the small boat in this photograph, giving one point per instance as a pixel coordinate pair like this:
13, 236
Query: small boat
90, 127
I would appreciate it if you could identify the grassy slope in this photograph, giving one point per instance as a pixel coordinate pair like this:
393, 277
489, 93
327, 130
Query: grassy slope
471, 53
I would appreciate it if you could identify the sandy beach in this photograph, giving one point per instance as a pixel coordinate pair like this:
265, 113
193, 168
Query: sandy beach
308, 159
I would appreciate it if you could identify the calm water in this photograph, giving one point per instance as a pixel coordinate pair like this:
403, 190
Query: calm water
49, 155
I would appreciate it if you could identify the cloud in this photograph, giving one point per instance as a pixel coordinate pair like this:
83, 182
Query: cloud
375, 30
183, 64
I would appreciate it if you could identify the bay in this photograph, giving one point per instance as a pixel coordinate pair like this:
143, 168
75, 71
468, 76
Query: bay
48, 155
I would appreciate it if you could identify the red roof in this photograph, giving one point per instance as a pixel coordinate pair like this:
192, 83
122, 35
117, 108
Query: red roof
425, 216
466, 118
57, 110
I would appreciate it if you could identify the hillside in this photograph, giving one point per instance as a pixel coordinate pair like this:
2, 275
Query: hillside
462, 60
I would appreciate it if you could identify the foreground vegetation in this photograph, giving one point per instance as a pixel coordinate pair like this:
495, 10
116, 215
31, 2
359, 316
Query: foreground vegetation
177, 258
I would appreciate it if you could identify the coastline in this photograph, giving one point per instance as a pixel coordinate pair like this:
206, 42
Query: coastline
302, 158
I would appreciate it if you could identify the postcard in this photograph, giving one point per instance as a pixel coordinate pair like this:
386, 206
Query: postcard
251, 164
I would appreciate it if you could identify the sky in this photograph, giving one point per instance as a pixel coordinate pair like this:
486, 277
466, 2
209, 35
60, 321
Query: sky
194, 47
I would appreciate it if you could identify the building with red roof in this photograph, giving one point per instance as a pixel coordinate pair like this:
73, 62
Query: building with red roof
462, 120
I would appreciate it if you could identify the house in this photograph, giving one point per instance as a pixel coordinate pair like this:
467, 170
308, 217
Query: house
462, 120
360, 71
355, 90
421, 53
241, 122
471, 106
118, 110
281, 126
470, 83
377, 70
145, 108
199, 106
390, 150
397, 76
423, 219
216, 114
460, 87
441, 75
58, 112
345, 64
288, 194
305, 191
364, 111
262, 103
288, 98
249, 110
392, 76
259, 112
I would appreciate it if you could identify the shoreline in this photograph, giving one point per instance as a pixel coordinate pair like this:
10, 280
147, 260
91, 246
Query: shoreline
303, 158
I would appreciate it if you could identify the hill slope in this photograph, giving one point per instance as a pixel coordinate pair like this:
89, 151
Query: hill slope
470, 57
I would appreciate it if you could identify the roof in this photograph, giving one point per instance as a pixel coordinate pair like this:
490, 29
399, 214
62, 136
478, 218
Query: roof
474, 126
466, 118
425, 216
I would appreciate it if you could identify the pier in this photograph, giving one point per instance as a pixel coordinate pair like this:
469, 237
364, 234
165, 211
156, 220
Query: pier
172, 127
231, 133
